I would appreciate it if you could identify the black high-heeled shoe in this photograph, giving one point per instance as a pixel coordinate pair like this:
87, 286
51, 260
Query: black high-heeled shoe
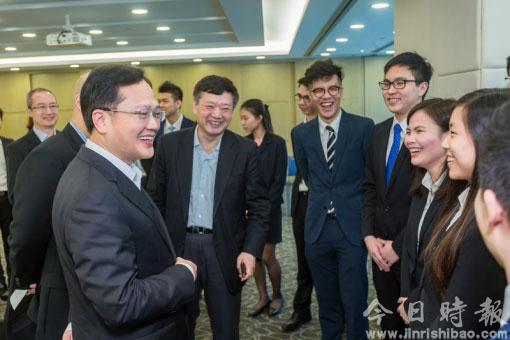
277, 310
257, 311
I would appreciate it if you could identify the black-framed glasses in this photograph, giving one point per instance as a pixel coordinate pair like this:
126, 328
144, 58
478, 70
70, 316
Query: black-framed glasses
398, 84
142, 114
305, 97
43, 107
321, 91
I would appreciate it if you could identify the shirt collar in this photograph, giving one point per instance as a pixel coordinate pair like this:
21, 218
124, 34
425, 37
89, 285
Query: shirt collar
130, 171
177, 123
196, 141
335, 124
403, 124
41, 135
79, 132
462, 198
430, 185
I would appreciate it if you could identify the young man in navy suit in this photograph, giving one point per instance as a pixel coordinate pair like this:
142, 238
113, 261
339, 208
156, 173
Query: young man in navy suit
330, 155
492, 203
388, 179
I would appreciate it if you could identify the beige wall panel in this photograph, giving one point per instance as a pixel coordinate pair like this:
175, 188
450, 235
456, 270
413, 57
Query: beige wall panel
14, 87
374, 102
456, 85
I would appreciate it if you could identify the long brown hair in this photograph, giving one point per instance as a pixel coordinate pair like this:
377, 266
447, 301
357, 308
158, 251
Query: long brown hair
442, 252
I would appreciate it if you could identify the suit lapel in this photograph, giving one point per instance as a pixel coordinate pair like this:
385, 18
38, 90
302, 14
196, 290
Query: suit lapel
383, 142
343, 135
184, 168
402, 158
315, 136
226, 160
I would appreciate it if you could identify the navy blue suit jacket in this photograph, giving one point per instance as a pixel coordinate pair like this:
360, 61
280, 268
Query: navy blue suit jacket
342, 185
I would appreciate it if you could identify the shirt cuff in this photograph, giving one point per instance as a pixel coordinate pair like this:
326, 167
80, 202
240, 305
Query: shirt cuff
190, 269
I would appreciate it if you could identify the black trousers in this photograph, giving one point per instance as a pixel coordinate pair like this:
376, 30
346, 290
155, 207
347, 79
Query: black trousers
224, 309
303, 295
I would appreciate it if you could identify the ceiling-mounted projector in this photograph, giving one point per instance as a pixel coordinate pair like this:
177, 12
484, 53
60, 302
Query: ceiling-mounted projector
68, 36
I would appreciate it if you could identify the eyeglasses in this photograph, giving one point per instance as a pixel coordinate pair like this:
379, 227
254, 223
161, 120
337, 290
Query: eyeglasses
398, 84
142, 114
332, 90
52, 107
305, 98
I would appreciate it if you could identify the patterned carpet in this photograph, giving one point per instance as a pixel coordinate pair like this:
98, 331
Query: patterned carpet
264, 327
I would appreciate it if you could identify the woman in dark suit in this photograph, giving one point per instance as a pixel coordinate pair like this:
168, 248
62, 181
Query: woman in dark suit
461, 276
427, 126
256, 120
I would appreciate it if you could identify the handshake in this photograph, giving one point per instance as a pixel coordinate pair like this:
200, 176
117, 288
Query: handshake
382, 252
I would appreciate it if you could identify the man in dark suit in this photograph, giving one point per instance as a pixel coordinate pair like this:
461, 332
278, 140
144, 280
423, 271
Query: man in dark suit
5, 210
42, 108
170, 101
299, 199
207, 184
122, 275
34, 255
330, 155
388, 179
492, 202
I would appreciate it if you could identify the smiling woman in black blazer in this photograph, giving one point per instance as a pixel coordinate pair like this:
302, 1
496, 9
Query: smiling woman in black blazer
256, 120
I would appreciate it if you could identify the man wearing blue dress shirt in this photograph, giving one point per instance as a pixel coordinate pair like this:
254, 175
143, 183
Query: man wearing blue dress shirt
492, 203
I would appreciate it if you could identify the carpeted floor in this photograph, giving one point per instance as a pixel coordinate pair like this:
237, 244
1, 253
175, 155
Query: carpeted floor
264, 327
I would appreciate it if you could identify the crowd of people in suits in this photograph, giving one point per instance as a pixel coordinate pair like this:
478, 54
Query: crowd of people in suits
123, 221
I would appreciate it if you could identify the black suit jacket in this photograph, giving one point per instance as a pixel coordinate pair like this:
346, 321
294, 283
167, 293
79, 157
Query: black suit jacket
241, 204
412, 263
385, 208
147, 163
16, 153
33, 252
117, 258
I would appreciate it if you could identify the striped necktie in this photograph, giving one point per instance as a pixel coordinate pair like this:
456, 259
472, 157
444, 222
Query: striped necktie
330, 147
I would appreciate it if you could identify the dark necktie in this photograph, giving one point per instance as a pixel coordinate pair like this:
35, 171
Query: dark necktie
395, 148
330, 147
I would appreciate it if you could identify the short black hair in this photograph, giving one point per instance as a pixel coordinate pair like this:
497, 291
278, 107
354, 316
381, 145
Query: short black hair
1, 114
303, 82
30, 94
494, 157
101, 89
323, 69
508, 66
419, 66
169, 87
216, 85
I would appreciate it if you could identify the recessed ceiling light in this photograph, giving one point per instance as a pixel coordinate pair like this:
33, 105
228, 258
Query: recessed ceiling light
74, 66
122, 42
10, 49
163, 28
390, 52
197, 60
14, 68
342, 40
393, 32
135, 63
29, 35
380, 5
139, 11
260, 57
325, 54
331, 49
179, 40
96, 32
357, 26
361, 51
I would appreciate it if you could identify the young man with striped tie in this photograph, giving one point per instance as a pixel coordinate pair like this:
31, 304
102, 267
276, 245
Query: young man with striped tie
330, 156
388, 179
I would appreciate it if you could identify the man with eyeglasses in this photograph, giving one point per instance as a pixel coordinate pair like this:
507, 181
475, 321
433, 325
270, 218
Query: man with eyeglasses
299, 199
207, 183
123, 277
34, 256
42, 108
330, 155
388, 179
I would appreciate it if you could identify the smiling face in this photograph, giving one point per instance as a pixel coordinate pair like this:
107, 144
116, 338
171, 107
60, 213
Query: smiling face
423, 139
169, 104
460, 148
401, 101
44, 110
214, 113
128, 136
328, 104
